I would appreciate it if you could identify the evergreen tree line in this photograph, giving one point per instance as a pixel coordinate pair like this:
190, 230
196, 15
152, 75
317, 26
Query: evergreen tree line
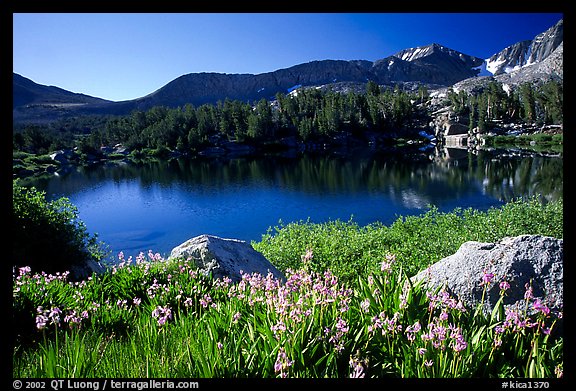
309, 114
529, 103
40, 139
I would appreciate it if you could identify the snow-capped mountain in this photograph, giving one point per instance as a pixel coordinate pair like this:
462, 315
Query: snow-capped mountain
526, 53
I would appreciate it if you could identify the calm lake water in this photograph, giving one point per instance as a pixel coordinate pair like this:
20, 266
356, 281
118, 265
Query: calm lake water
158, 205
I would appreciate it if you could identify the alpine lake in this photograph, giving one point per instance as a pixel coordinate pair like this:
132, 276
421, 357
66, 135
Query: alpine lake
157, 205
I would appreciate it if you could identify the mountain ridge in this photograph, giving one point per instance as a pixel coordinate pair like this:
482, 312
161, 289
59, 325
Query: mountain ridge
27, 92
432, 65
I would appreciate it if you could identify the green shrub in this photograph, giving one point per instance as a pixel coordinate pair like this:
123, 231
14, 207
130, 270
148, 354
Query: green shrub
19, 155
137, 154
161, 152
418, 241
41, 159
48, 235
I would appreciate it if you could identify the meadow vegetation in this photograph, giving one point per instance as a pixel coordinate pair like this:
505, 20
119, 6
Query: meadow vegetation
348, 249
346, 309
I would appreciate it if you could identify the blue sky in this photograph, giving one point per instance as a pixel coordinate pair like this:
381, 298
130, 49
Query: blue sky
126, 56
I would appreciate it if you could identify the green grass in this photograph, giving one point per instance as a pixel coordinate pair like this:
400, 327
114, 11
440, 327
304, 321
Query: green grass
538, 142
148, 317
417, 241
33, 163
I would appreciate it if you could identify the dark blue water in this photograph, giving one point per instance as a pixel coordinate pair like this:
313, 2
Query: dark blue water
158, 205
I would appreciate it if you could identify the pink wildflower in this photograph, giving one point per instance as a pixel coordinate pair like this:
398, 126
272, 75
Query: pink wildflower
282, 363
365, 305
386, 265
558, 371
487, 278
539, 306
162, 314
188, 302
308, 256
205, 301
357, 368
528, 294
41, 321
24, 270
236, 316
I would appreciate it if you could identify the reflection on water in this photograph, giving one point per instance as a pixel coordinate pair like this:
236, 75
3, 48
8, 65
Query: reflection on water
506, 175
158, 205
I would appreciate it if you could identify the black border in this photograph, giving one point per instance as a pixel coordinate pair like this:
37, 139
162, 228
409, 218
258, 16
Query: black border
432, 6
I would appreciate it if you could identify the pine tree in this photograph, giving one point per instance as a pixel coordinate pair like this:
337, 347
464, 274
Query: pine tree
372, 88
528, 101
472, 115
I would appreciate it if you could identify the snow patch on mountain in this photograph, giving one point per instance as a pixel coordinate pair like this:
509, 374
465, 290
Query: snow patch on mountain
483, 69
413, 54
492, 66
416, 53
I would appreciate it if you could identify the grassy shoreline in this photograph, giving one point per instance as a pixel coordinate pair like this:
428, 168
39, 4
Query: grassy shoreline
345, 310
537, 142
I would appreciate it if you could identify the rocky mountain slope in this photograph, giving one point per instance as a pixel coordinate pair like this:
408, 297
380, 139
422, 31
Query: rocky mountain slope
541, 61
528, 52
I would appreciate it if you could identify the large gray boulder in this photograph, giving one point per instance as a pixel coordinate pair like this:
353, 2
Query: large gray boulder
521, 260
225, 257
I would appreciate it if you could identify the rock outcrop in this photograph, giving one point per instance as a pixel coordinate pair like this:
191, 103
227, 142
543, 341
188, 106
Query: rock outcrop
224, 257
526, 260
